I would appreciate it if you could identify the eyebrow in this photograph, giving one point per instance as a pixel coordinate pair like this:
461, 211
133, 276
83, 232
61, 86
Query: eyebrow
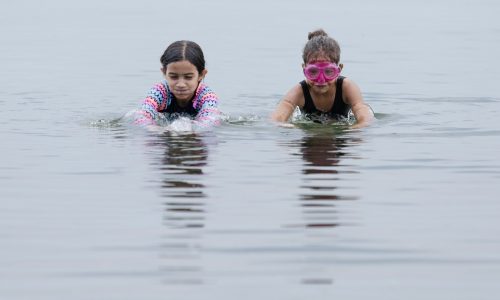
173, 73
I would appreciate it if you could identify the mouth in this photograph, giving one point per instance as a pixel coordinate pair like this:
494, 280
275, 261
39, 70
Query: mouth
181, 92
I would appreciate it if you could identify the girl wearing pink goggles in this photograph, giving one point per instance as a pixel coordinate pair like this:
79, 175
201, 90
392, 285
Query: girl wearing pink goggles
324, 90
321, 72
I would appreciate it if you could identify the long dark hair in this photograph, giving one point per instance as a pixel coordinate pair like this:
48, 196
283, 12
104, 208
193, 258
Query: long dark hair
184, 50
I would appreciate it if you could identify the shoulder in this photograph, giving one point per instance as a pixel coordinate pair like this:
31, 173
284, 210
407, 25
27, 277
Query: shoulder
348, 84
204, 94
204, 91
160, 89
202, 87
295, 95
162, 85
351, 91
160, 94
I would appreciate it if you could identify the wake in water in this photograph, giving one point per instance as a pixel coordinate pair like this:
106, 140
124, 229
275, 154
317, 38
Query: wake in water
178, 123
173, 122
325, 119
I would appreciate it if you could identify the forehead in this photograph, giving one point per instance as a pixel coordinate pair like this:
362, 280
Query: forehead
321, 64
181, 67
319, 56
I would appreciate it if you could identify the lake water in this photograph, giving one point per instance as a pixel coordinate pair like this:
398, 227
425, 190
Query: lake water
92, 208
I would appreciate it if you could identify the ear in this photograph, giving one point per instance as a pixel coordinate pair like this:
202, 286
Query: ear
163, 70
341, 66
203, 74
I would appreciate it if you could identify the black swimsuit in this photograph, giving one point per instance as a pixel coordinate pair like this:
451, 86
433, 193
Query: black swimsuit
339, 108
174, 108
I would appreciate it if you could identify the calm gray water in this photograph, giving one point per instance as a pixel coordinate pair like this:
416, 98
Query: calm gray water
95, 209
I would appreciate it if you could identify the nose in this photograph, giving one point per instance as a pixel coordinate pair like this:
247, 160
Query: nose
181, 83
321, 78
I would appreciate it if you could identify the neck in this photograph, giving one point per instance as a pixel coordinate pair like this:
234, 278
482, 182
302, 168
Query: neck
183, 103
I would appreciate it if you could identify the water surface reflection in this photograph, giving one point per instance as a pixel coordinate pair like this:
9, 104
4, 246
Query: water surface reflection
181, 169
323, 175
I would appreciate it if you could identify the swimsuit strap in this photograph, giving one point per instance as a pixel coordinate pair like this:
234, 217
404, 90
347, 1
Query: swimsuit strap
308, 101
339, 106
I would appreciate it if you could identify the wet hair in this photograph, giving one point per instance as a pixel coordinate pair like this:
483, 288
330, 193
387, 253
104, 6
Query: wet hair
320, 44
184, 50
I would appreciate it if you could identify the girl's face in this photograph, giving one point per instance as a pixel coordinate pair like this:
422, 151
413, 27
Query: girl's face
321, 74
183, 79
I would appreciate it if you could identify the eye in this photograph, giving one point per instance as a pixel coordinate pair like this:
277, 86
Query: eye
313, 71
188, 77
173, 76
330, 72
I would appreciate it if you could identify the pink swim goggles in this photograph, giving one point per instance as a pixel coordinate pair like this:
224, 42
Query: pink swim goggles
321, 72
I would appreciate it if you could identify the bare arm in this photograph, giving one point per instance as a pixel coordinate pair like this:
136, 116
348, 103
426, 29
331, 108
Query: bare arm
287, 105
352, 96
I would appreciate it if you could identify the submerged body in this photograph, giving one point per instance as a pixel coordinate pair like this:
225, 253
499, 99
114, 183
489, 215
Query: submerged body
203, 107
183, 92
339, 108
324, 91
335, 101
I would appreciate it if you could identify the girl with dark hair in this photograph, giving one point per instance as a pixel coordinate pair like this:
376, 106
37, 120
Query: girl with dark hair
324, 92
182, 93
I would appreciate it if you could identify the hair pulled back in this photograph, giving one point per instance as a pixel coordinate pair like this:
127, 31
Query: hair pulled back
320, 44
184, 50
